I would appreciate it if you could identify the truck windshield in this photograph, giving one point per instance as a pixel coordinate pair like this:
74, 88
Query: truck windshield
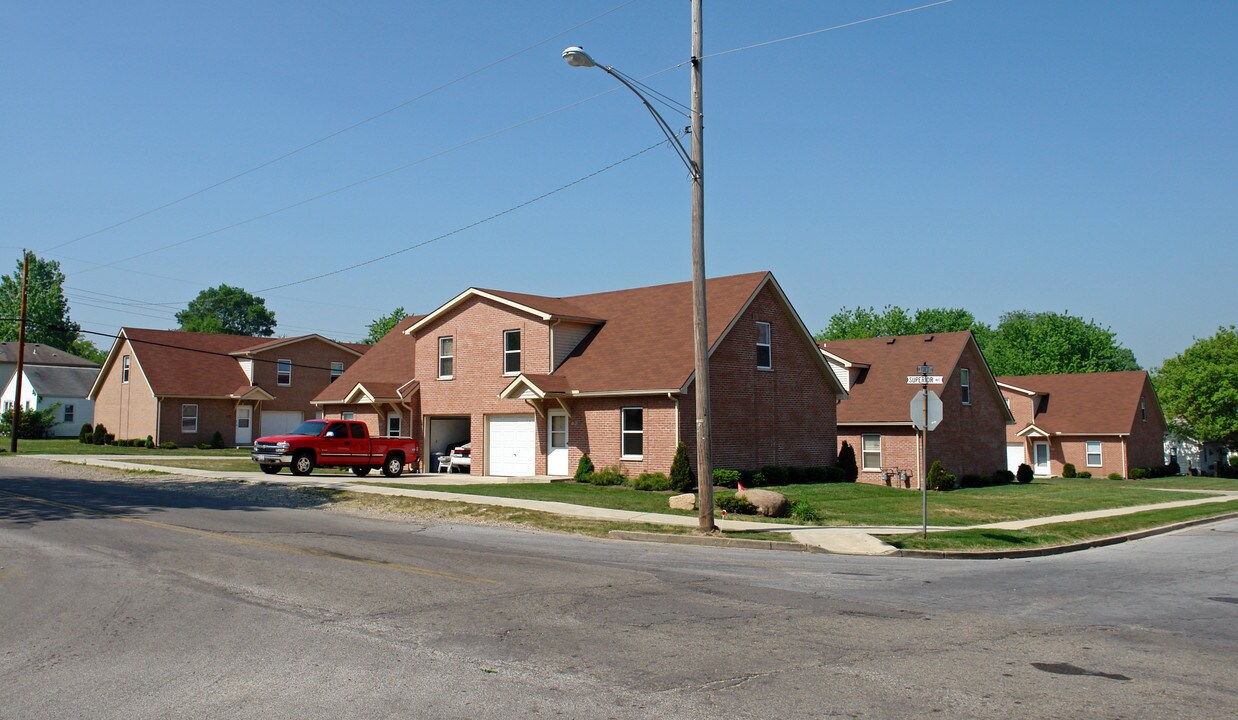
309, 428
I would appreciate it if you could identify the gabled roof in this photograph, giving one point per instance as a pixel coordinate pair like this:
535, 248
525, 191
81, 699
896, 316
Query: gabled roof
268, 344
380, 373
60, 381
545, 308
40, 354
882, 394
1089, 403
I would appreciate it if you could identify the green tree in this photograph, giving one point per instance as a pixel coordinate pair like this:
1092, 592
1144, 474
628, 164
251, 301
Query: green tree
1044, 343
383, 325
47, 310
1198, 388
84, 348
227, 310
858, 322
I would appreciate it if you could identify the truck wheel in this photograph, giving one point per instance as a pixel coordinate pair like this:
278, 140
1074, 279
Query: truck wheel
393, 466
269, 469
302, 464
360, 470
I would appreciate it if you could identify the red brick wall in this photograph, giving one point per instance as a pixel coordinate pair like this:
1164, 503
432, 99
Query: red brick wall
1023, 409
1147, 440
126, 410
213, 415
784, 416
898, 450
1073, 450
311, 373
971, 439
595, 428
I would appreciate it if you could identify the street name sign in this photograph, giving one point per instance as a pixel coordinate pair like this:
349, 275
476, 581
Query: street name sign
924, 379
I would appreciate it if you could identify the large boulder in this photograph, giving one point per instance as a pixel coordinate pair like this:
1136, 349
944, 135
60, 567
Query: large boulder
687, 501
767, 502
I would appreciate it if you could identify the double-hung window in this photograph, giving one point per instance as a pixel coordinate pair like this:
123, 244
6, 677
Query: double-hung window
965, 385
511, 352
632, 431
68, 413
1094, 456
189, 418
1143, 409
870, 452
124, 369
283, 372
337, 369
765, 351
393, 425
446, 357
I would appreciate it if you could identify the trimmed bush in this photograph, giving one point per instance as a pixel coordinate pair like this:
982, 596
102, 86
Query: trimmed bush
1139, 473
652, 482
682, 478
1116, 476
1173, 468
109, 439
607, 476
217, 441
804, 512
584, 469
776, 475
1085, 474
1068, 470
1024, 474
726, 478
202, 446
87, 434
1003, 477
939, 479
150, 442
846, 463
734, 505
100, 435
168, 445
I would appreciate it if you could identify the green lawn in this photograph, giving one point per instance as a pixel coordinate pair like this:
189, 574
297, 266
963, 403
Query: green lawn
73, 447
858, 504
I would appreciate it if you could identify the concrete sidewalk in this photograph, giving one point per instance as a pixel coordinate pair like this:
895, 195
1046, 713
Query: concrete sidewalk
843, 540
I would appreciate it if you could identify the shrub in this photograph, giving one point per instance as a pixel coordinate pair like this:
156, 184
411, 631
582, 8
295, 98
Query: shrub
1173, 467
109, 439
35, 424
1024, 474
1085, 474
651, 482
217, 441
974, 481
100, 435
1068, 470
846, 463
584, 469
1139, 473
726, 478
150, 442
1003, 477
202, 446
938, 478
1116, 476
682, 477
607, 476
776, 475
87, 434
734, 505
168, 445
804, 512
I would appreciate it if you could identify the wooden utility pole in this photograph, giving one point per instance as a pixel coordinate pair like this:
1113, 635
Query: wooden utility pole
704, 443
21, 352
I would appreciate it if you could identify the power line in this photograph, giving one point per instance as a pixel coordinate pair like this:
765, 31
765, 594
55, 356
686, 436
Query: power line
341, 131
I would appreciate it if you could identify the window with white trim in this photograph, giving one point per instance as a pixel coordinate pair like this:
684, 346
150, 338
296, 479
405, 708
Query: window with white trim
870, 455
1143, 409
1093, 451
283, 372
446, 357
632, 431
124, 369
765, 350
189, 418
965, 385
346, 415
68, 413
337, 369
511, 352
393, 425
8, 405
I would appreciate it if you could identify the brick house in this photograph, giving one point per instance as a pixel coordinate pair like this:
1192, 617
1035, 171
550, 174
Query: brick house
876, 420
1100, 422
184, 386
380, 388
534, 382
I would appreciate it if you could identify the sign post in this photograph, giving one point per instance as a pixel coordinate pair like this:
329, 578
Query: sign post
926, 412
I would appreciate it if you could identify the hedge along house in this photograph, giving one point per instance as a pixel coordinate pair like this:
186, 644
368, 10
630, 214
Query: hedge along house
1099, 422
534, 382
183, 387
876, 420
381, 388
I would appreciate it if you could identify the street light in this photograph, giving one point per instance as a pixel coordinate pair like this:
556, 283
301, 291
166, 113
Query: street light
577, 57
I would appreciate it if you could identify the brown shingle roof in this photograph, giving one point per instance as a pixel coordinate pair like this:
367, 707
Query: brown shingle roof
1089, 403
883, 395
178, 363
382, 369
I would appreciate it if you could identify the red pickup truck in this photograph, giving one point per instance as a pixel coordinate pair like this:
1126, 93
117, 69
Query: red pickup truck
334, 443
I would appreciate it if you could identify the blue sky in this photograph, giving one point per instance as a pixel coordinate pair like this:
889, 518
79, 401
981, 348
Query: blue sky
1066, 156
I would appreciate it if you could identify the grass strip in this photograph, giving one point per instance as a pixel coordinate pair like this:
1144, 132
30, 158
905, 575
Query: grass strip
1057, 533
62, 446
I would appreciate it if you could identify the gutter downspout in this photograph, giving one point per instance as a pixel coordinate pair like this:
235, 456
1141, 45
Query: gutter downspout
158, 420
675, 399
1126, 470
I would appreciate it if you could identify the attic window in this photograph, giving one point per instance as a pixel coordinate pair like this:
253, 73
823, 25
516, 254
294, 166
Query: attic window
511, 352
965, 385
446, 357
283, 372
124, 369
1143, 409
337, 369
765, 352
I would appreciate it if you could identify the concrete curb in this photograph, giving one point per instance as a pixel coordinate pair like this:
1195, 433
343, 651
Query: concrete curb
707, 541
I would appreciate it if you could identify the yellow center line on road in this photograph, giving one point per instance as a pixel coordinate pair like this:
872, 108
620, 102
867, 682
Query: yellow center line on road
249, 542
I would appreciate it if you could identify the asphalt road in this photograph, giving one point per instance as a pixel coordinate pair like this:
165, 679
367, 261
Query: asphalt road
148, 598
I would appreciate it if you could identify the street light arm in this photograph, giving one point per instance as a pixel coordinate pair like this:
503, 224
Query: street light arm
661, 121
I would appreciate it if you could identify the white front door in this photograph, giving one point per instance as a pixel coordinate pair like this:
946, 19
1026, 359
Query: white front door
1014, 456
556, 451
1040, 454
244, 424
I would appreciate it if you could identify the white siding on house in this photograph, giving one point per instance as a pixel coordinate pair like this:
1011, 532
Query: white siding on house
564, 338
247, 365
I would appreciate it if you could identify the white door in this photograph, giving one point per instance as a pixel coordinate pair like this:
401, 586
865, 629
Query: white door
1040, 453
556, 451
244, 421
280, 422
511, 444
1014, 457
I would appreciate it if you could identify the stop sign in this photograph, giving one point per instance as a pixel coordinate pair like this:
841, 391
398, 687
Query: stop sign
918, 407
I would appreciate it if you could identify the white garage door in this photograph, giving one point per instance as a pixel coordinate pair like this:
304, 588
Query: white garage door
280, 422
512, 441
1014, 457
